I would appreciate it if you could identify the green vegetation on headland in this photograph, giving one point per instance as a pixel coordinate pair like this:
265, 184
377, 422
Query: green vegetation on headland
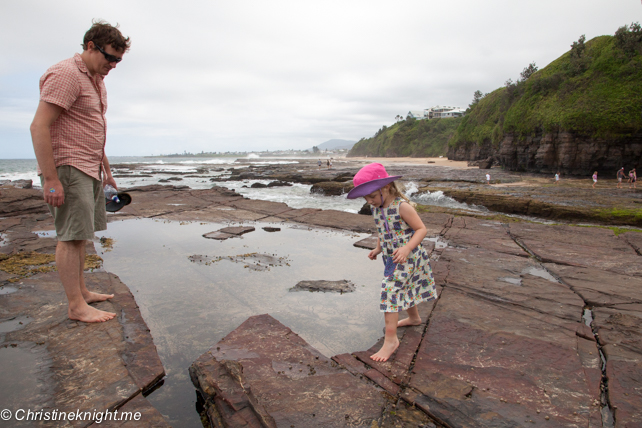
410, 137
593, 90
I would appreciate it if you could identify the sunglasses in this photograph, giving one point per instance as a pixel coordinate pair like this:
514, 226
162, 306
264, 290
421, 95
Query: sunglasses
108, 57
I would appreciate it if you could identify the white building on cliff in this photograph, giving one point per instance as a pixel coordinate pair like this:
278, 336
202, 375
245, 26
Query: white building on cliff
437, 112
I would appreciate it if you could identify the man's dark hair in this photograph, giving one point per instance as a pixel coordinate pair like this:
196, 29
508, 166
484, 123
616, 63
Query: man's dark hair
103, 34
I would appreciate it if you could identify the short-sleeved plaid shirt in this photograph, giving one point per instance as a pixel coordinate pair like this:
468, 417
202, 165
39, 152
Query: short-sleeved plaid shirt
78, 135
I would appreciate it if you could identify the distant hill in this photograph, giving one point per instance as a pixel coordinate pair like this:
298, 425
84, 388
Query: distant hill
410, 137
336, 144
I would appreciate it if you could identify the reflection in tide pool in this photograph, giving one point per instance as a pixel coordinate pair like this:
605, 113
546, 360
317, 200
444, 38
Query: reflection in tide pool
189, 306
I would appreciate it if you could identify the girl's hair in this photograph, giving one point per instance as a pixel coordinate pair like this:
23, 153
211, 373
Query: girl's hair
397, 190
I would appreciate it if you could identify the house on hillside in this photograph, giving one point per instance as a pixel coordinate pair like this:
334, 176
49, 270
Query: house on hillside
444, 111
437, 112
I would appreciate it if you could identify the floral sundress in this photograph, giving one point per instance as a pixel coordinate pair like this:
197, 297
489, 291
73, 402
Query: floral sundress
411, 282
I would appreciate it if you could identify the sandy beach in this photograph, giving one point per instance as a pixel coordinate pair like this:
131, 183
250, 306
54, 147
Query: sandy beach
416, 161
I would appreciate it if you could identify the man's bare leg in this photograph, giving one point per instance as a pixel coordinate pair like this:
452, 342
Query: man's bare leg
391, 342
89, 296
68, 255
413, 318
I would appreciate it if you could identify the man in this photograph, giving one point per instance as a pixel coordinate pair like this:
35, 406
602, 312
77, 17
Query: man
620, 176
69, 134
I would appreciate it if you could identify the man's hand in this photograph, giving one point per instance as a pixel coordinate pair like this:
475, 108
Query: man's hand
53, 193
109, 180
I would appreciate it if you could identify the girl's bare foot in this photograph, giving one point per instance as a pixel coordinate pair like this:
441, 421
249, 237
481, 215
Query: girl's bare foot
89, 314
386, 350
92, 297
409, 321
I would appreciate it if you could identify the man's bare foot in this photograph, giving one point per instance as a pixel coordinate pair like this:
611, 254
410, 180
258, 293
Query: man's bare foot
89, 314
386, 350
409, 321
92, 297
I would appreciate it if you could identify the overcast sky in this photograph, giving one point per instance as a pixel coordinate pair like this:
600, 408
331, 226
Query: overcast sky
255, 75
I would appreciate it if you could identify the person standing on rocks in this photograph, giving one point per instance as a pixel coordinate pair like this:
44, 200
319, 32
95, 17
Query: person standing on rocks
69, 134
408, 278
620, 176
487, 178
557, 177
319, 163
594, 179
633, 177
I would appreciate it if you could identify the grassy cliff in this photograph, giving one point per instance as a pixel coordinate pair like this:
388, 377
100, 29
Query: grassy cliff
410, 137
594, 90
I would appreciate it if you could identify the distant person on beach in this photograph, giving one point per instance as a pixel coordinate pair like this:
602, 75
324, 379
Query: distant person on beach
620, 176
557, 177
594, 179
487, 178
68, 134
328, 162
407, 278
633, 177
319, 163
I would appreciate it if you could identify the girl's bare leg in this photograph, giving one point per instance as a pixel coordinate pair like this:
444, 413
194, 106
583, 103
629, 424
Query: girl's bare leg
391, 342
413, 318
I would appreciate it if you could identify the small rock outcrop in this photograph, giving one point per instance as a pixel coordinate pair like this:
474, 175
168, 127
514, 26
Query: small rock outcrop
331, 188
341, 286
264, 375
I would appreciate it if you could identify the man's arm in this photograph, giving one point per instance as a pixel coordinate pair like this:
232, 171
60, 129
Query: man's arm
46, 115
107, 177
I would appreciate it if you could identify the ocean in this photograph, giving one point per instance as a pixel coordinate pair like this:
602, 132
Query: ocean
189, 172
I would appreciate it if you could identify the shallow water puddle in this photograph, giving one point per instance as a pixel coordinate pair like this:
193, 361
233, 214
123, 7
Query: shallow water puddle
5, 289
14, 324
541, 272
19, 369
508, 279
189, 305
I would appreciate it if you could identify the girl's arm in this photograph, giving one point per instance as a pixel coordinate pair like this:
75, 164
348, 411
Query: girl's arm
373, 254
410, 216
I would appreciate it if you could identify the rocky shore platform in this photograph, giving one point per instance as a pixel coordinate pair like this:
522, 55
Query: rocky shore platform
535, 325
573, 199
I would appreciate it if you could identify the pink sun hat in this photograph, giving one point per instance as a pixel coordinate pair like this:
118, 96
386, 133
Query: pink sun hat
370, 178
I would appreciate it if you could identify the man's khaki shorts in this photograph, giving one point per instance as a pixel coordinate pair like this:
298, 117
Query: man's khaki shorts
83, 211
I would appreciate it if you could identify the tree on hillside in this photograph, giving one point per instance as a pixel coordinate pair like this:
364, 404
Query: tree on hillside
528, 71
315, 149
629, 39
578, 62
477, 96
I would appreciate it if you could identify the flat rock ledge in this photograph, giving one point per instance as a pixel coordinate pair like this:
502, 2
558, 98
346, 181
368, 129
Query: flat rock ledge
264, 375
229, 232
525, 314
341, 286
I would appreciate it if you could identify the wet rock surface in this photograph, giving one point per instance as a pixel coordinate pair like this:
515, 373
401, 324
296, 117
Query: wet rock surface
251, 261
331, 188
228, 232
509, 342
342, 286
263, 374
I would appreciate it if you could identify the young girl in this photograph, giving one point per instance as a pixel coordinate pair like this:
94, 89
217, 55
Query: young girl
594, 179
407, 276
